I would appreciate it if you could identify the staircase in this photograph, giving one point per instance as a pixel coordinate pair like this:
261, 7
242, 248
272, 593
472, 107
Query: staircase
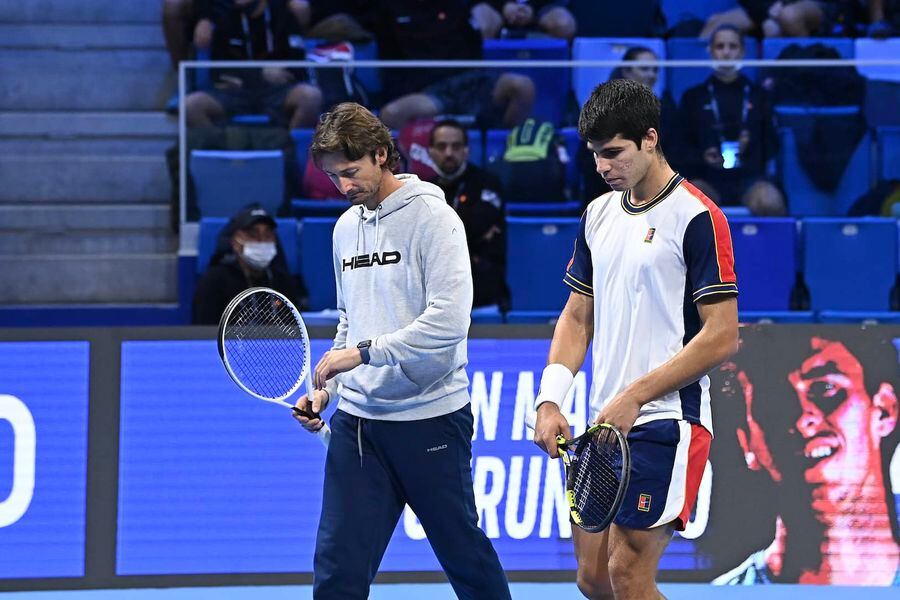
84, 210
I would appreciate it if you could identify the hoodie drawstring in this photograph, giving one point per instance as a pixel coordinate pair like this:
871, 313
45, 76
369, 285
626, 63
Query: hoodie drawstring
359, 440
361, 230
377, 210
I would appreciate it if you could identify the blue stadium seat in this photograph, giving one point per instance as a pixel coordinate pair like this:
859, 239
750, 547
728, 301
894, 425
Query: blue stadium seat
804, 198
888, 152
585, 79
316, 263
303, 207
211, 226
869, 49
544, 209
226, 181
772, 47
550, 104
868, 317
775, 316
302, 140
765, 256
538, 250
850, 264
680, 10
682, 78
494, 147
882, 81
572, 142
476, 147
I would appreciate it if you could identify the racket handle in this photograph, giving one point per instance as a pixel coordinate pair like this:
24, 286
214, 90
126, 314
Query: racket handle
305, 413
324, 434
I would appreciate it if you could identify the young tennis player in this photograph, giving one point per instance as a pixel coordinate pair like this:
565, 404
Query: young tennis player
653, 287
402, 432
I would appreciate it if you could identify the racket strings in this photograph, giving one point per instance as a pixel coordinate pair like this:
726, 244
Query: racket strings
265, 345
597, 477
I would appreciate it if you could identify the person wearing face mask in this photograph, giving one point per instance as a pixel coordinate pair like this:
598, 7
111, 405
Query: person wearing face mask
475, 195
248, 255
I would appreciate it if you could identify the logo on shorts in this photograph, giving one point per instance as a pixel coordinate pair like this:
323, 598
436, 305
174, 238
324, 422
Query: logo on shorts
650, 233
644, 502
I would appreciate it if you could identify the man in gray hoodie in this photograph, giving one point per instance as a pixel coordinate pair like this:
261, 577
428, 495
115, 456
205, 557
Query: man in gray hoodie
402, 432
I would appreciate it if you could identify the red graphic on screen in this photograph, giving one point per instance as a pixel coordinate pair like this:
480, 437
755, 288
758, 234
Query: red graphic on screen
820, 445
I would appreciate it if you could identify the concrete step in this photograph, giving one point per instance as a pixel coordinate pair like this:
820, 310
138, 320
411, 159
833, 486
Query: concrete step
84, 80
79, 37
55, 279
88, 124
61, 229
84, 179
138, 147
77, 218
80, 11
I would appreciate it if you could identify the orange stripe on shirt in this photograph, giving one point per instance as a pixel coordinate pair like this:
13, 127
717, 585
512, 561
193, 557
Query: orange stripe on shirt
721, 232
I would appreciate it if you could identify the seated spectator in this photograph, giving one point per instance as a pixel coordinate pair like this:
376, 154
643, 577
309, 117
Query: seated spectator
475, 194
594, 185
776, 18
442, 30
727, 133
520, 17
883, 18
185, 22
247, 255
256, 30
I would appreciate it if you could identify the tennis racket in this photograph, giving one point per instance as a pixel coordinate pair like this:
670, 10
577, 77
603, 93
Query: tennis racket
265, 349
598, 467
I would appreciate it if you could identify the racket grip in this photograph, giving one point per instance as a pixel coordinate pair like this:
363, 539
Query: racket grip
305, 413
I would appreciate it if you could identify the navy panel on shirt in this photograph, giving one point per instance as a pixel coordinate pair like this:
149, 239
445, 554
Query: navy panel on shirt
580, 270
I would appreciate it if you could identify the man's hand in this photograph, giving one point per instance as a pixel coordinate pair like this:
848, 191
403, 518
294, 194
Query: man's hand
203, 33
318, 404
276, 75
334, 362
517, 15
622, 412
549, 424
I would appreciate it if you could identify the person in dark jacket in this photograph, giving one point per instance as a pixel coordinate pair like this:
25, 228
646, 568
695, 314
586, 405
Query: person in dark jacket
727, 134
475, 195
247, 255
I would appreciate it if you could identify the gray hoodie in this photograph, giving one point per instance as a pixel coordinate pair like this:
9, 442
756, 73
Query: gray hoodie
404, 281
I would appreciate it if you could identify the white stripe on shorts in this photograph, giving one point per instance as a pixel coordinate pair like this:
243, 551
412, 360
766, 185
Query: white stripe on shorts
675, 498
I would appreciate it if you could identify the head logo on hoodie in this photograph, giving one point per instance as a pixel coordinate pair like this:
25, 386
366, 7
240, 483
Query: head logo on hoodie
370, 260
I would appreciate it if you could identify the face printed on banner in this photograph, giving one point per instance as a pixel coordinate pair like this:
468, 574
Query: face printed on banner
834, 439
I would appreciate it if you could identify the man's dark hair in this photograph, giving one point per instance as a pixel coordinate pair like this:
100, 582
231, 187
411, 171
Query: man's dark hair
448, 123
619, 107
727, 27
351, 130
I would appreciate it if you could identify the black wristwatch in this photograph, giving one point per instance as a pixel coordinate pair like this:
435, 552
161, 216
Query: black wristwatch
363, 348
